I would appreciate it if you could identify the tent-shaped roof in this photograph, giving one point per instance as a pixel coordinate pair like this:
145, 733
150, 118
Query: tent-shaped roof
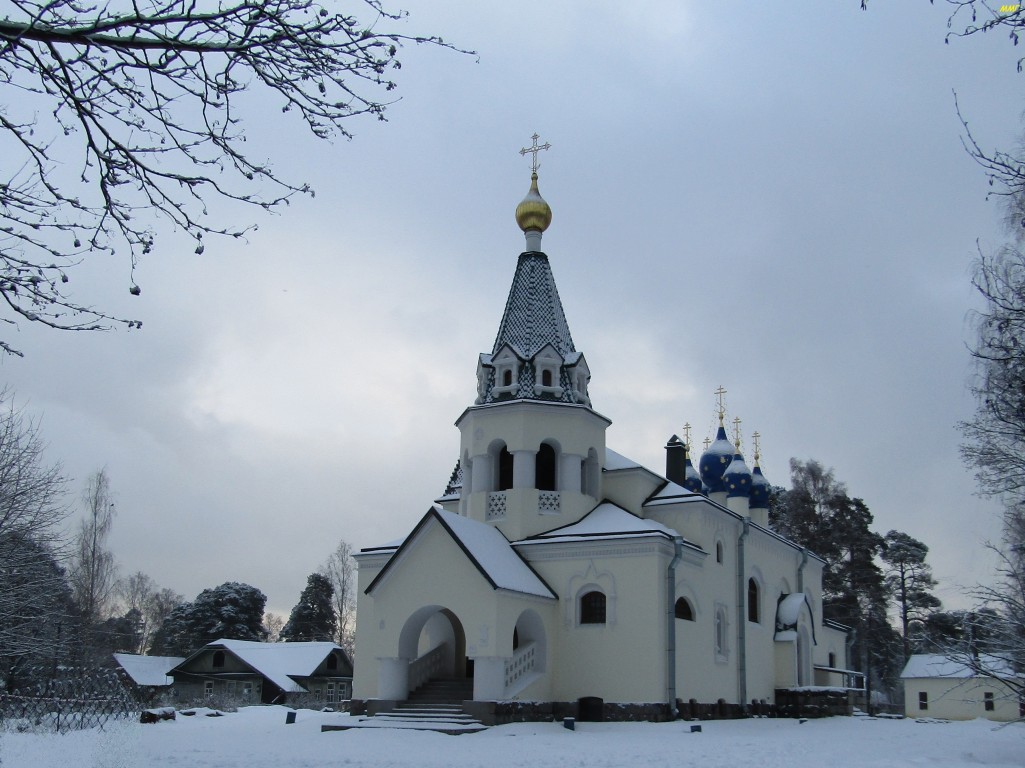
533, 314
486, 548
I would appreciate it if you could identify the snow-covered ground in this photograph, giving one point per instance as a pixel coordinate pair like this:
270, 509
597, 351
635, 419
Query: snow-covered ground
258, 737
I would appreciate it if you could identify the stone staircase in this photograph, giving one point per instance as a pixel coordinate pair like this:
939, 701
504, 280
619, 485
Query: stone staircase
437, 705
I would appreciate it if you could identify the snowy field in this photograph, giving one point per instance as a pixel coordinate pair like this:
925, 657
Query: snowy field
257, 737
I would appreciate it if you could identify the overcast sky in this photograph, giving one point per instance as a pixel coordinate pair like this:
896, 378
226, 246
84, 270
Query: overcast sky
769, 197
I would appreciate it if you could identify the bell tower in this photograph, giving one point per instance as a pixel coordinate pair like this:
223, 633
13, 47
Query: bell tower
531, 447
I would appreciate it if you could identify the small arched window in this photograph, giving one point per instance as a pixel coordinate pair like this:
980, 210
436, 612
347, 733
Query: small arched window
546, 378
544, 468
592, 608
832, 660
753, 613
332, 661
683, 609
718, 551
507, 378
218, 660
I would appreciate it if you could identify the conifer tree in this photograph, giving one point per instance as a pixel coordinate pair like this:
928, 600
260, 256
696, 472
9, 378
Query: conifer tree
909, 579
313, 617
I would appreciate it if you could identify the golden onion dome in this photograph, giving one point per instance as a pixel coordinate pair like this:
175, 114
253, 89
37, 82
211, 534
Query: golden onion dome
533, 213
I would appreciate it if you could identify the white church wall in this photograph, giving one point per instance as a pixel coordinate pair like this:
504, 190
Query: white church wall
622, 660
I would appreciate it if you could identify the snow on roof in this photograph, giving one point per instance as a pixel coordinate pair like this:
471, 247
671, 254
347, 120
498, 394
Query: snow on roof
671, 493
956, 665
493, 554
614, 461
148, 670
279, 661
608, 520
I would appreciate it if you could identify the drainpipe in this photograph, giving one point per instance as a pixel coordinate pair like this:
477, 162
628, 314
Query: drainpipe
671, 625
742, 618
800, 569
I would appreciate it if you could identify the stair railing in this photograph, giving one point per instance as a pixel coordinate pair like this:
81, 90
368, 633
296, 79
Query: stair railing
427, 666
518, 665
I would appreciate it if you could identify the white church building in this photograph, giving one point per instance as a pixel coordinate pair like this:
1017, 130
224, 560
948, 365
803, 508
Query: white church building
555, 574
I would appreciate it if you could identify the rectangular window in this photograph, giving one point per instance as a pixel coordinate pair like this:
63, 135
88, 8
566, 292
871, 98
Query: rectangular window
247, 690
988, 701
923, 700
208, 687
330, 693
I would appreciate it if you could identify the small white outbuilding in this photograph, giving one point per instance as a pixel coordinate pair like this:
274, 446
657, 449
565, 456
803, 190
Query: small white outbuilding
961, 687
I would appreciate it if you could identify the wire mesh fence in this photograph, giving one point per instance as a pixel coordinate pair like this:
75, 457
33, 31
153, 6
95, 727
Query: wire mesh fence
68, 699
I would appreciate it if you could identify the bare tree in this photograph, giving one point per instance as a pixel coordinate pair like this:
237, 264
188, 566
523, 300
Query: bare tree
341, 572
144, 122
34, 601
93, 570
274, 624
135, 593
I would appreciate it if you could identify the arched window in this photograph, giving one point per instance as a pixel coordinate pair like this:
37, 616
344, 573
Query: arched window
218, 660
592, 608
753, 613
544, 468
516, 638
832, 660
683, 609
505, 469
718, 551
507, 378
332, 661
720, 632
546, 378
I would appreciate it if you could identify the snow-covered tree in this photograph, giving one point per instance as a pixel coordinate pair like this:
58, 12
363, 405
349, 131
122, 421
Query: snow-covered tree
36, 613
313, 617
232, 610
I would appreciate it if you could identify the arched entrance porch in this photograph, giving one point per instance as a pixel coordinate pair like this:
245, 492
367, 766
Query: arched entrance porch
432, 645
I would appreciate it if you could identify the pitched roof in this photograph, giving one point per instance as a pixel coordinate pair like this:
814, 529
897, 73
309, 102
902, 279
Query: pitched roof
607, 520
957, 665
533, 314
486, 548
148, 670
278, 662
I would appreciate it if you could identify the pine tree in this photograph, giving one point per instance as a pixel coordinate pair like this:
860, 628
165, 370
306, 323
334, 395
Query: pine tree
231, 611
313, 617
909, 580
817, 513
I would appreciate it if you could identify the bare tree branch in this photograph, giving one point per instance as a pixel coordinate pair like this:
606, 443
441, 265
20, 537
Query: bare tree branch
123, 115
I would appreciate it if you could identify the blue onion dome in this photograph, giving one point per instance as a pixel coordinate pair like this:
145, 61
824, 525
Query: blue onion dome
759, 489
692, 480
714, 461
737, 477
